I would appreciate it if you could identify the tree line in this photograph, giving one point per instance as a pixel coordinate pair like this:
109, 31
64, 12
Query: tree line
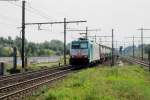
47, 48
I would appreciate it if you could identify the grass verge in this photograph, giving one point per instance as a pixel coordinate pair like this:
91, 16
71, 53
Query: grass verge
117, 83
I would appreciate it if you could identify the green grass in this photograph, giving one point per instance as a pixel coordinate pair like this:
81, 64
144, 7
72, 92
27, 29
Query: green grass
32, 67
117, 83
42, 65
37, 66
47, 64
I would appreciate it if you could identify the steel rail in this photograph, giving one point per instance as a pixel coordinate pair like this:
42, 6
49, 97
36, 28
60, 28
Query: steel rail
14, 75
19, 78
23, 84
17, 95
137, 61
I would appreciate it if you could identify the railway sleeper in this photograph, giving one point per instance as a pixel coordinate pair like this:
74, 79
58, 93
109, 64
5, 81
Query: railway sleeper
23, 93
22, 79
28, 83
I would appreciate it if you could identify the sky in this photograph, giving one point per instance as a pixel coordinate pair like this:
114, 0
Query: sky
124, 16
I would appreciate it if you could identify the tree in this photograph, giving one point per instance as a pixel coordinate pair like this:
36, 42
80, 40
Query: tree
6, 51
47, 48
147, 48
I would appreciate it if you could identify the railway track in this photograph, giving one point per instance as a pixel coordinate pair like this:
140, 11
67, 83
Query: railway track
18, 74
18, 86
8, 80
19, 90
137, 61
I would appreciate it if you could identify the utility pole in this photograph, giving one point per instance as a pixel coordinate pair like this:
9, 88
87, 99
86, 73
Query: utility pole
65, 22
142, 43
86, 35
112, 64
65, 41
86, 32
142, 46
149, 59
23, 34
133, 48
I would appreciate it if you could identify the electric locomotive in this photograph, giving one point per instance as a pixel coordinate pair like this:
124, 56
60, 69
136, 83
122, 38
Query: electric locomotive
84, 52
79, 52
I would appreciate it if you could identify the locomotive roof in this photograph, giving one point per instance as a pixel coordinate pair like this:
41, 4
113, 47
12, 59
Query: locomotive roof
81, 39
87, 40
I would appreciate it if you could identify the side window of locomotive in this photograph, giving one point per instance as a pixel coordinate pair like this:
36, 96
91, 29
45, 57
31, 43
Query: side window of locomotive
84, 45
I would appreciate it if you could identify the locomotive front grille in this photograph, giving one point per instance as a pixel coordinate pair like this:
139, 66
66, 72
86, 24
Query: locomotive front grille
79, 61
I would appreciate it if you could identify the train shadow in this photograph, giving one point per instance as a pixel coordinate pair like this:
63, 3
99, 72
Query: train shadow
91, 65
79, 67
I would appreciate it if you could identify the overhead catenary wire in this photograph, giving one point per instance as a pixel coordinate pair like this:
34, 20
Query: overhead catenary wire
41, 13
32, 10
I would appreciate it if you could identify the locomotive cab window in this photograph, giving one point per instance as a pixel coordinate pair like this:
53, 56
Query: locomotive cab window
75, 46
84, 45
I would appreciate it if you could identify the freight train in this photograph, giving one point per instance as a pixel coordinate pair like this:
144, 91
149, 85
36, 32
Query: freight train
85, 52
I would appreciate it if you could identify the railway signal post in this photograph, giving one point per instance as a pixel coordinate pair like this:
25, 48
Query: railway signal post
120, 49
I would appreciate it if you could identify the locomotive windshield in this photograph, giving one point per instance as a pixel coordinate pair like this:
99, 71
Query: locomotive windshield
75, 46
83, 45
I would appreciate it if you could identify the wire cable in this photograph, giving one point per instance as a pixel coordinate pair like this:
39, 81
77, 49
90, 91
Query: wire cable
32, 10
43, 14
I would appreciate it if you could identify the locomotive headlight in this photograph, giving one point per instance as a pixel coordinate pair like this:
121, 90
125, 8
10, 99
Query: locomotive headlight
85, 56
73, 56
